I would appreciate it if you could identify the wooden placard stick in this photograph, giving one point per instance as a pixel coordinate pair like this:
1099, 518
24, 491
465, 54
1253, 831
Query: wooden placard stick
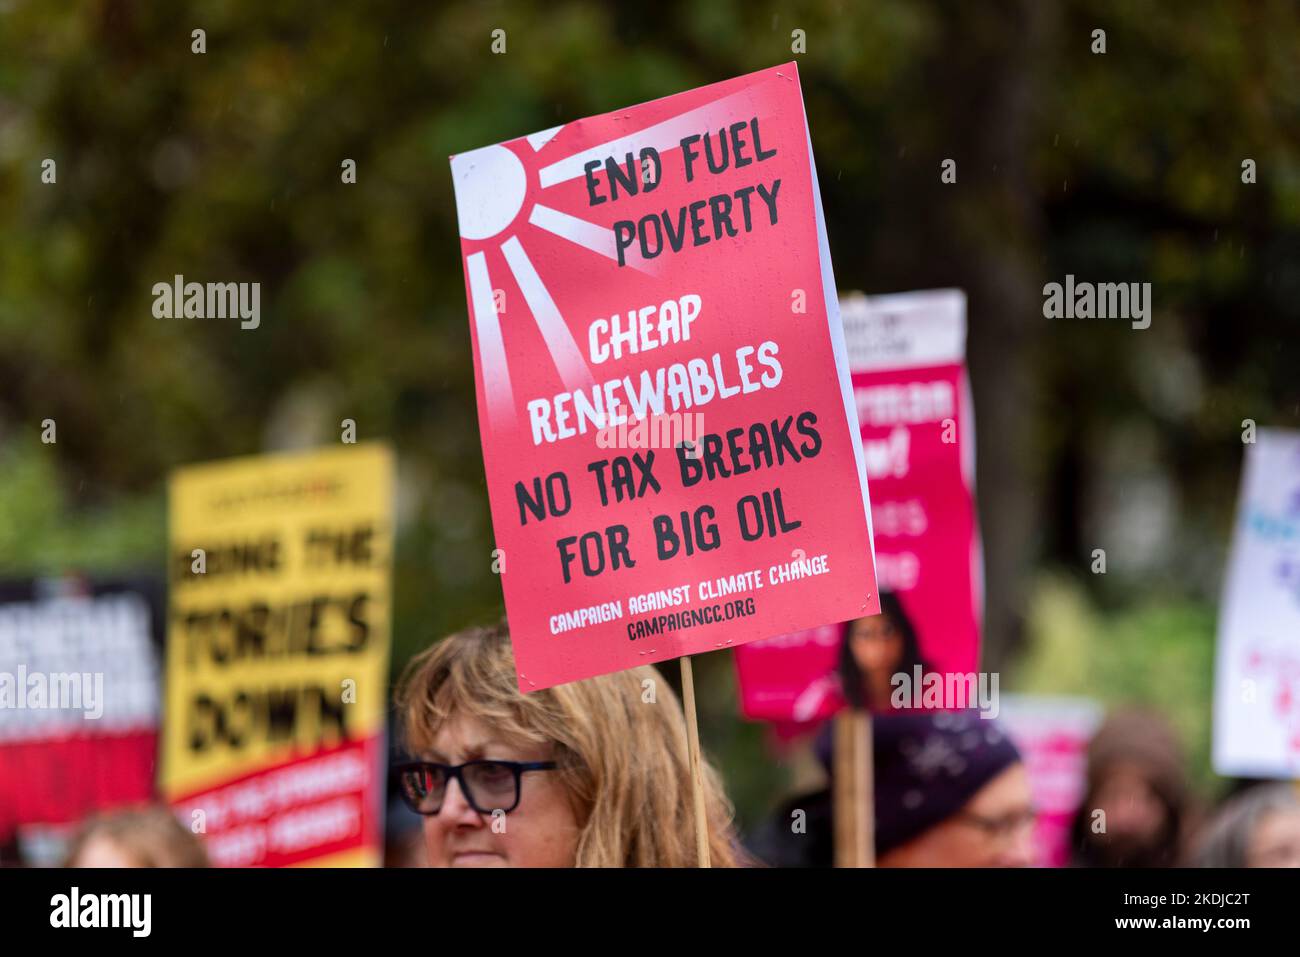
851, 798
693, 755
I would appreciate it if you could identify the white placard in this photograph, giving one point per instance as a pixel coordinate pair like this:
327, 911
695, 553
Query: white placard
1257, 679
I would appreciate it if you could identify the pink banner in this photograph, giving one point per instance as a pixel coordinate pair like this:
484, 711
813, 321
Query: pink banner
1053, 734
663, 390
907, 356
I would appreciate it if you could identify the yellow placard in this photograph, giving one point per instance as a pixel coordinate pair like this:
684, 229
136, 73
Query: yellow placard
279, 619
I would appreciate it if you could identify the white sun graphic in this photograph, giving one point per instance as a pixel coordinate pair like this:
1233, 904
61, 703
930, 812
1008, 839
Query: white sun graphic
491, 189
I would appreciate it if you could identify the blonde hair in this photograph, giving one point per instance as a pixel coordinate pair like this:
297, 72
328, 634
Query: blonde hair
622, 761
151, 836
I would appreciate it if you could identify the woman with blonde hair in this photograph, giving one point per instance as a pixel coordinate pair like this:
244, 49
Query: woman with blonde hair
588, 774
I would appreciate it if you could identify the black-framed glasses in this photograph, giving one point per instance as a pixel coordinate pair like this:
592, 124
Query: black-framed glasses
487, 785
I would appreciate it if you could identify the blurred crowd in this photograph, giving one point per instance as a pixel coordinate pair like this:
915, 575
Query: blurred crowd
589, 774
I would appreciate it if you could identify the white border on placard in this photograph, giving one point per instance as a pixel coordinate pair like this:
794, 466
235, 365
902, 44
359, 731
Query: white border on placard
836, 329
934, 332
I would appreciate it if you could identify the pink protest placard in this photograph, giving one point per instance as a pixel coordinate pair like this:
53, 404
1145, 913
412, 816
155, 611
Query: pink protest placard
907, 355
791, 679
1053, 734
663, 395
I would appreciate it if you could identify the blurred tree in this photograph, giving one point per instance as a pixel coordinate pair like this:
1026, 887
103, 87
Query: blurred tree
1122, 166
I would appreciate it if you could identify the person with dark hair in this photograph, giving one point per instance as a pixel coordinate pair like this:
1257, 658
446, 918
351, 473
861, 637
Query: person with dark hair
874, 650
949, 790
1136, 805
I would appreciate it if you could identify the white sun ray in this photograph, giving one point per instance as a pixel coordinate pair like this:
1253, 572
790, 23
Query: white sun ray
484, 189
662, 136
559, 341
588, 235
491, 347
596, 238
538, 140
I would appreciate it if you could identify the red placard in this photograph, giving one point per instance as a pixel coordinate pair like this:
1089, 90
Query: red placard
667, 424
79, 663
307, 808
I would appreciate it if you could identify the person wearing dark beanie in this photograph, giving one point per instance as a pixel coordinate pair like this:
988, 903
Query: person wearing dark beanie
950, 790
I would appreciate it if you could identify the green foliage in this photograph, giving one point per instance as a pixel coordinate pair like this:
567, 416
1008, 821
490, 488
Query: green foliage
1154, 653
40, 534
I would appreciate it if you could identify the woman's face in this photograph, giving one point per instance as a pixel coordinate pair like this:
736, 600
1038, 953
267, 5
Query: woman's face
542, 831
1276, 841
877, 645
